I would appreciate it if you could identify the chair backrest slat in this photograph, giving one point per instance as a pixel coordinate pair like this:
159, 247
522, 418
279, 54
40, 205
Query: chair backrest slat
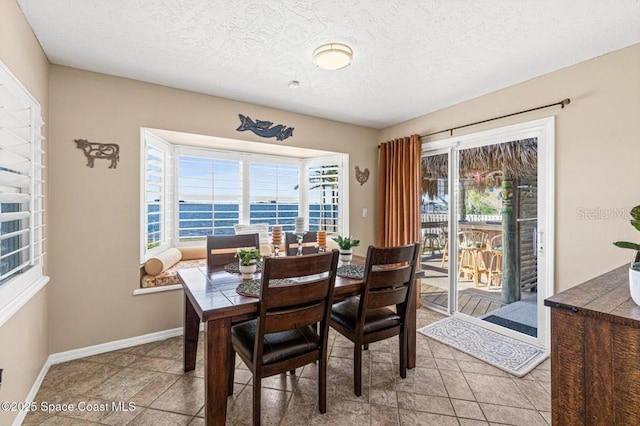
279, 296
386, 277
294, 318
387, 297
291, 243
305, 301
221, 249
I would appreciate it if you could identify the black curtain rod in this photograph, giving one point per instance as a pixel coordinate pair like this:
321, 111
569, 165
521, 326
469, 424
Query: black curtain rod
562, 104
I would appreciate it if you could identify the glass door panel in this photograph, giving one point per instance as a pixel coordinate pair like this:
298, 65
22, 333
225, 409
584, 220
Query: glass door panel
496, 205
435, 229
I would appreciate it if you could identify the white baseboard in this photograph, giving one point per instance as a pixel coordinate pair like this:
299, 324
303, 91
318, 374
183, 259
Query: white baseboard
74, 354
33, 392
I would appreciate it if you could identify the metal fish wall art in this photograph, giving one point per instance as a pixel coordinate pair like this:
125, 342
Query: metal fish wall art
264, 129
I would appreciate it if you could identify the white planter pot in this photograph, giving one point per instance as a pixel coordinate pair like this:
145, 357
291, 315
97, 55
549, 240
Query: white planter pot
634, 285
247, 271
346, 256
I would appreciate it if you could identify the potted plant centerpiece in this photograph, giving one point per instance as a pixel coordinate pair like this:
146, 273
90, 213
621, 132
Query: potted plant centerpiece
346, 245
634, 270
248, 260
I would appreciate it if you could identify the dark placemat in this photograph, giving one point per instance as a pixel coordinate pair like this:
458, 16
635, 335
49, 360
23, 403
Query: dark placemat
234, 267
351, 271
251, 288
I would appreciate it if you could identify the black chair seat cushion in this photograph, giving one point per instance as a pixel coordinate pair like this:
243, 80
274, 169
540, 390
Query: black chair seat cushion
345, 313
277, 346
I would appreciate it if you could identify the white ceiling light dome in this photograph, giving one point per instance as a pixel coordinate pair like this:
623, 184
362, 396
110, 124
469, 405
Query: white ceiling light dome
333, 56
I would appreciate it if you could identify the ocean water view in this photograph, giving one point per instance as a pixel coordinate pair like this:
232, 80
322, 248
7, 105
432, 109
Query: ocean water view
201, 219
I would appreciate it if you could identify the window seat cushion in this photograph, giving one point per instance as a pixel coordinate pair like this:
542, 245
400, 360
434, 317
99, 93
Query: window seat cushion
164, 267
170, 276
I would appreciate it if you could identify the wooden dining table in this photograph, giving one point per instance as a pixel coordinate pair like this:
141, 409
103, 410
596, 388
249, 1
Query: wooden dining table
210, 296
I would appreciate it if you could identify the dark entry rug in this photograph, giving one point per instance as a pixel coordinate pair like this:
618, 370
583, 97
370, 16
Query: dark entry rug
512, 325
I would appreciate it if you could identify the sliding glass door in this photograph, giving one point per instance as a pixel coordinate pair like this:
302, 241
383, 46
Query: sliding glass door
484, 249
435, 229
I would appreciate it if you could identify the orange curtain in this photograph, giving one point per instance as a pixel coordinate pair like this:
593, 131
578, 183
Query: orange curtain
398, 218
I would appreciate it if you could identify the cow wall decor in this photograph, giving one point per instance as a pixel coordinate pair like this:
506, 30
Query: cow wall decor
93, 150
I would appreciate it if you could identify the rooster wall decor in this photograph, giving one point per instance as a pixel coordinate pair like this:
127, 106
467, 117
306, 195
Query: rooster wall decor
362, 177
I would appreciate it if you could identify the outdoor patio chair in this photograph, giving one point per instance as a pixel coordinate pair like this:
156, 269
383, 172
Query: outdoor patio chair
472, 246
495, 263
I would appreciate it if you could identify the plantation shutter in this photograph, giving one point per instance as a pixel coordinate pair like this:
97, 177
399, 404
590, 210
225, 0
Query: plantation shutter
158, 191
326, 195
21, 179
274, 194
210, 196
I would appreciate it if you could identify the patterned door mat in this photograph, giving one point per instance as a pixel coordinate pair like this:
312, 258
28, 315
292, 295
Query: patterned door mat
511, 355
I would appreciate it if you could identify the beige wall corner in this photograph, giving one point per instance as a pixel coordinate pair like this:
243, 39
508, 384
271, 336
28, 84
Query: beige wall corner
95, 217
24, 344
596, 153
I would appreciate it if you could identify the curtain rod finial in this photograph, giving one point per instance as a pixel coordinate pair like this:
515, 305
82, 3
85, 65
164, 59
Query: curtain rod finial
565, 102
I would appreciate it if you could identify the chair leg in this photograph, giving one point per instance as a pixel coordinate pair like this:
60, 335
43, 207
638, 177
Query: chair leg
366, 346
257, 384
232, 370
403, 354
322, 384
357, 369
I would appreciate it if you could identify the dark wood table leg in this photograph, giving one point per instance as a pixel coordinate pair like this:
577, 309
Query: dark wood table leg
216, 370
191, 331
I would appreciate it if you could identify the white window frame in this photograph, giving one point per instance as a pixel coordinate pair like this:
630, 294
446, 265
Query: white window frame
206, 153
246, 158
21, 287
167, 208
275, 161
343, 187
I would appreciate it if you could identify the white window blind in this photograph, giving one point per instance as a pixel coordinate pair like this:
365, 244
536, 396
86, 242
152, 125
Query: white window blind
274, 194
325, 193
158, 199
21, 181
210, 196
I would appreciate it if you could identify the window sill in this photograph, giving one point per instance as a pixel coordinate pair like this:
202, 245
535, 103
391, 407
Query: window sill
22, 298
141, 291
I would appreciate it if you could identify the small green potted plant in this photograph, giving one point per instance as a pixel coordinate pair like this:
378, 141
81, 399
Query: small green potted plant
634, 270
346, 245
248, 259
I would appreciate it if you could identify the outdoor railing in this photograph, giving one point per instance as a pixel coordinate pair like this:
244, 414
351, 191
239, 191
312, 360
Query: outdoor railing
443, 217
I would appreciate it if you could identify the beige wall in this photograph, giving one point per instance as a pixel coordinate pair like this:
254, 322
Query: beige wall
95, 217
94, 213
24, 338
597, 152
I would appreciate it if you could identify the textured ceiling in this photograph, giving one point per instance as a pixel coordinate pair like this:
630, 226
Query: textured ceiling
410, 57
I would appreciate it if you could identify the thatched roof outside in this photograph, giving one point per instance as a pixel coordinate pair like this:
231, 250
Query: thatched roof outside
485, 165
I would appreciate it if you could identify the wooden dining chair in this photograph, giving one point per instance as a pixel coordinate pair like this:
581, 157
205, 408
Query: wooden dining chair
389, 276
283, 337
309, 243
221, 249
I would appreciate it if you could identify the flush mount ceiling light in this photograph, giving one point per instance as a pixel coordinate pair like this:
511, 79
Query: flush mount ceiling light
333, 56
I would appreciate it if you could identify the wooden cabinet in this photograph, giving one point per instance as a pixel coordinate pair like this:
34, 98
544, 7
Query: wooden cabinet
595, 353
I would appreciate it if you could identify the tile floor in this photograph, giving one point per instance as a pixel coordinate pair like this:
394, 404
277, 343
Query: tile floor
447, 387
